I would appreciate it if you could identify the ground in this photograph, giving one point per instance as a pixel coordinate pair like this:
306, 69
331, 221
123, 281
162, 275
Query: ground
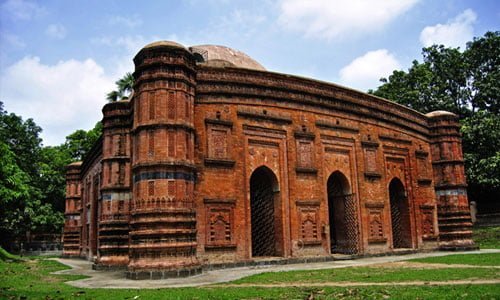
438, 275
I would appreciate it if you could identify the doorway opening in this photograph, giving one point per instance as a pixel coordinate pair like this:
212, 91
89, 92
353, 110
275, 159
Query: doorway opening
342, 212
400, 215
266, 223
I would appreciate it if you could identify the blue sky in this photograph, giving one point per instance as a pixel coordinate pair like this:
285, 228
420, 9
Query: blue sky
58, 59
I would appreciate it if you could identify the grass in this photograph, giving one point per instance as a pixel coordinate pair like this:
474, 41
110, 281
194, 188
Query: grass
409, 292
487, 237
369, 274
485, 259
6, 256
32, 279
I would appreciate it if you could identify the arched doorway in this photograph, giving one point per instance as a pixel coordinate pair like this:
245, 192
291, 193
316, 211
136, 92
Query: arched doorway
265, 213
400, 215
342, 212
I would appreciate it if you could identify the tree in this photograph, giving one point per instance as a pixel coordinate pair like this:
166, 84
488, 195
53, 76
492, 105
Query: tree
481, 147
14, 191
439, 83
25, 205
483, 58
22, 138
124, 86
52, 180
466, 83
79, 143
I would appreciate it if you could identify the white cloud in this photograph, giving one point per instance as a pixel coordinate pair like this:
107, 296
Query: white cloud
21, 9
337, 18
130, 44
124, 48
239, 23
12, 39
365, 71
455, 33
60, 98
129, 21
56, 31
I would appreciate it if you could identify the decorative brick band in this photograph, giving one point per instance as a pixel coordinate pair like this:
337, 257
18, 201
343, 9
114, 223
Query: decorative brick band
264, 116
328, 125
397, 140
164, 175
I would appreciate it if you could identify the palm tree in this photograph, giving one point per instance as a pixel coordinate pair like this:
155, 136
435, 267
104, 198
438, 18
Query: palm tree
113, 96
125, 87
126, 84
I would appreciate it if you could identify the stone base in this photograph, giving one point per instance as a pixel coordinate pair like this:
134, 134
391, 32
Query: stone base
268, 261
100, 267
163, 274
185, 272
70, 255
472, 247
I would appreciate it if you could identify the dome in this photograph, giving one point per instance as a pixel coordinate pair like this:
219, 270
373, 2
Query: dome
440, 113
210, 53
163, 44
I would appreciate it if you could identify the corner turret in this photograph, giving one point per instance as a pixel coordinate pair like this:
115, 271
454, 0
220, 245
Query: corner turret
455, 225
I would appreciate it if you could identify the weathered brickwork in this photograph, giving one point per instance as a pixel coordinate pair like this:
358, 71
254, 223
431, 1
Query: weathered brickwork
211, 162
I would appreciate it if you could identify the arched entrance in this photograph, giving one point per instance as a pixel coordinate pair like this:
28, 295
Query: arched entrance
400, 215
342, 212
265, 213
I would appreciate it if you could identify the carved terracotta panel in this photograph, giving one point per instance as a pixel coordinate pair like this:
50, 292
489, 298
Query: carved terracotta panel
305, 154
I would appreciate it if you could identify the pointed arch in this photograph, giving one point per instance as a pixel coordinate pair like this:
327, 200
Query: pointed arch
265, 213
342, 212
400, 215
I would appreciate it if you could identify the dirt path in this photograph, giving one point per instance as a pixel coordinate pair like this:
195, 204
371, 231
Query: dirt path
354, 283
116, 279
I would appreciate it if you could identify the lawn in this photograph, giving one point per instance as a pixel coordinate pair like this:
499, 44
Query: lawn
487, 237
485, 259
370, 274
32, 279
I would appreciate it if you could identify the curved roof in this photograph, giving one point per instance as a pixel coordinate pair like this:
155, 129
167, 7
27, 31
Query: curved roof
440, 113
163, 44
222, 53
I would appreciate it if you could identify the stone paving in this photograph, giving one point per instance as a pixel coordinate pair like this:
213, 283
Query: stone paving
116, 279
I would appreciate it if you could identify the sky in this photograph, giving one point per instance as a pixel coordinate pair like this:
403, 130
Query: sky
59, 59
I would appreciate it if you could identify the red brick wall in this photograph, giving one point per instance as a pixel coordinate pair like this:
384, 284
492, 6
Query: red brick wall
195, 134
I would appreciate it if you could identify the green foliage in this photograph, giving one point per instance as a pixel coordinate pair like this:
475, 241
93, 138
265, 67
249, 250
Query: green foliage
447, 79
6, 256
466, 83
19, 144
52, 166
124, 86
22, 138
32, 177
79, 143
483, 58
481, 145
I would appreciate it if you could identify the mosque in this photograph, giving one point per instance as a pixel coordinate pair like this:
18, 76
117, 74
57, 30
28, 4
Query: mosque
215, 161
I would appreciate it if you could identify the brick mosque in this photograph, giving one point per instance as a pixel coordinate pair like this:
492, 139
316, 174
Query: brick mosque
215, 161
